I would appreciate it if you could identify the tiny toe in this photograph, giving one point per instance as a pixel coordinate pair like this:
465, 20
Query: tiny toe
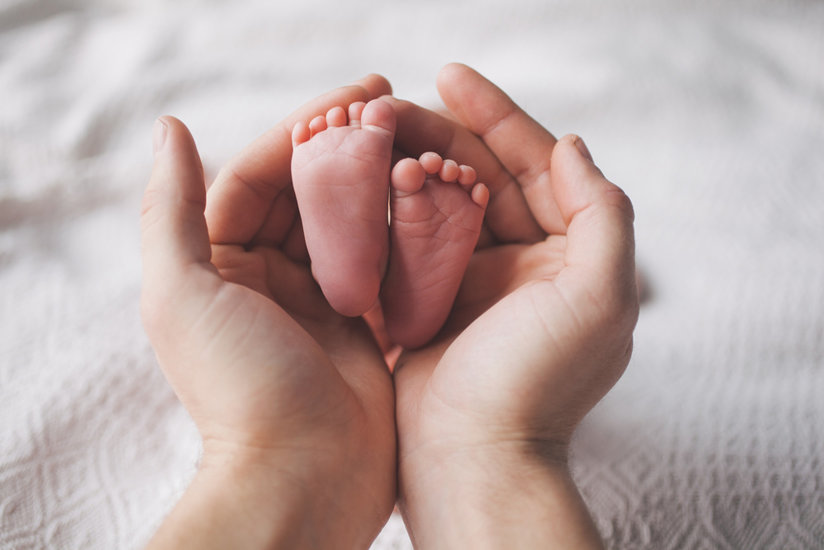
300, 133
480, 195
467, 176
408, 176
431, 162
355, 113
336, 117
317, 125
449, 171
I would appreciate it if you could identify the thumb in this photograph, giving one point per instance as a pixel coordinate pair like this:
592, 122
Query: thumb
600, 253
174, 241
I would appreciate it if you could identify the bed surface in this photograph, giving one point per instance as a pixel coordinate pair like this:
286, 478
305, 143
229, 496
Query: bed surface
709, 115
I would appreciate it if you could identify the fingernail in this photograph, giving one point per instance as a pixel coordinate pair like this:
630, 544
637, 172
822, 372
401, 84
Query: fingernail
582, 148
159, 135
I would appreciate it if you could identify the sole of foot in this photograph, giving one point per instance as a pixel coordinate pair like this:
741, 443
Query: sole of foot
437, 209
340, 171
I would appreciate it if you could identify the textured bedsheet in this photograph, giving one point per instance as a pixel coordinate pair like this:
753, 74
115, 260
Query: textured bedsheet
709, 114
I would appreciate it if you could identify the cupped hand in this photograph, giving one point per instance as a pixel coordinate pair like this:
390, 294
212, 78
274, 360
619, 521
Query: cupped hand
540, 330
277, 382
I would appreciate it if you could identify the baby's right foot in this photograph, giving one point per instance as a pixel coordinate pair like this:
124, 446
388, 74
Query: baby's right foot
436, 214
340, 172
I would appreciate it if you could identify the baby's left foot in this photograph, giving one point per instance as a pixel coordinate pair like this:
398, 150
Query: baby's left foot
436, 213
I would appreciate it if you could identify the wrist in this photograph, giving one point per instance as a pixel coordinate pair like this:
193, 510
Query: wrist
493, 498
256, 501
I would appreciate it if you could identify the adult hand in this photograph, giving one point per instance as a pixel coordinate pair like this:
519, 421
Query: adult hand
540, 330
293, 401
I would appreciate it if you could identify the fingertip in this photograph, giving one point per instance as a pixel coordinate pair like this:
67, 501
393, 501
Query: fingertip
582, 148
575, 144
168, 132
576, 181
159, 132
390, 99
451, 70
375, 85
472, 98
175, 150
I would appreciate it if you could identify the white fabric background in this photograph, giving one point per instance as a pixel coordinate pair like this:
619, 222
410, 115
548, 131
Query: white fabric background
709, 114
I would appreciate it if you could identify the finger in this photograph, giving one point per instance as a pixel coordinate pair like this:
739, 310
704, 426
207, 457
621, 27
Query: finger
522, 145
174, 239
600, 253
251, 185
375, 85
174, 233
508, 217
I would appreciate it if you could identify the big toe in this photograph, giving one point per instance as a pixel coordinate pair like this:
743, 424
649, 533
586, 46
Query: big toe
408, 176
379, 115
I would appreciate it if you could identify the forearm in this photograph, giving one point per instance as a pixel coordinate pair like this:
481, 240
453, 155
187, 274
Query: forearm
489, 505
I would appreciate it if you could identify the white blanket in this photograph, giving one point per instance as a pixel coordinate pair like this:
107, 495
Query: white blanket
710, 115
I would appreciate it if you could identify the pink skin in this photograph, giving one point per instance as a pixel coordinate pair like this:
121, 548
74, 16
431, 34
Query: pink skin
341, 175
437, 210
340, 172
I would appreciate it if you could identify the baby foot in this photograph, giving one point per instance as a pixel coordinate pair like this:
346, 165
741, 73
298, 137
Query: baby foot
340, 172
436, 213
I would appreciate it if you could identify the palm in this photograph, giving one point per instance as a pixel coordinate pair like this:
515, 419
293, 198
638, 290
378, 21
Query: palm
302, 373
482, 376
270, 316
515, 360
